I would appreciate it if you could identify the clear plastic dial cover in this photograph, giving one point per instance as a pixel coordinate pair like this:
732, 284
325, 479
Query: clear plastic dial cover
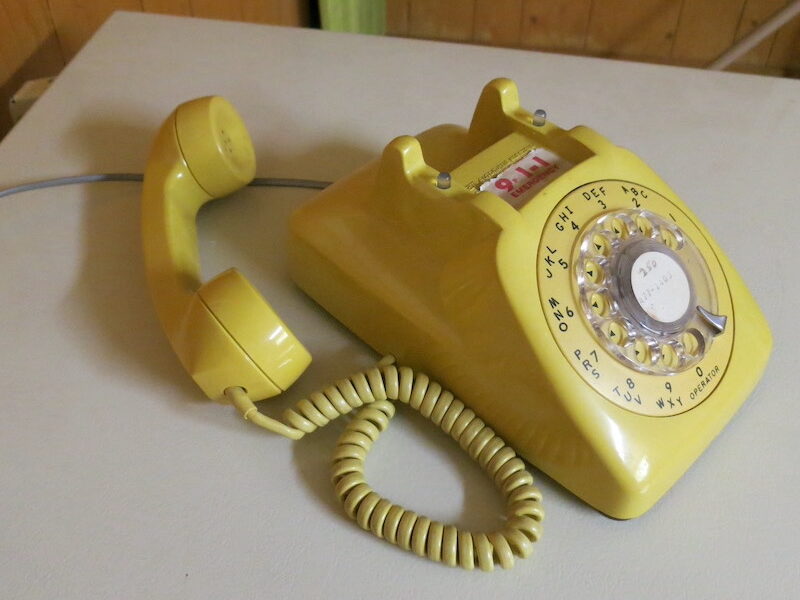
652, 277
640, 277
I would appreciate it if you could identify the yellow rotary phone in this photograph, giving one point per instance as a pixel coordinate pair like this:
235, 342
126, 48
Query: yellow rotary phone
547, 277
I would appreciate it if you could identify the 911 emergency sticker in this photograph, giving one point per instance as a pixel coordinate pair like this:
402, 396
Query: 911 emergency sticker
520, 182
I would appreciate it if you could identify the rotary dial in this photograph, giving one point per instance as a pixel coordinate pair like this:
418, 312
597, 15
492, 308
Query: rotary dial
641, 282
634, 297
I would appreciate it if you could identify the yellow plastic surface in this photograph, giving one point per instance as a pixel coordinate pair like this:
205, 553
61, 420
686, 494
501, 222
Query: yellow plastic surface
446, 280
215, 144
224, 332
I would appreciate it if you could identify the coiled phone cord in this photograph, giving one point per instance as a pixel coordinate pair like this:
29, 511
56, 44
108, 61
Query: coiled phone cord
371, 391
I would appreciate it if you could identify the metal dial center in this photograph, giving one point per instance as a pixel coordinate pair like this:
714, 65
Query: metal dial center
653, 286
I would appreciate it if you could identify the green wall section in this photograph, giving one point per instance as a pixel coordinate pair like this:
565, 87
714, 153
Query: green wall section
356, 16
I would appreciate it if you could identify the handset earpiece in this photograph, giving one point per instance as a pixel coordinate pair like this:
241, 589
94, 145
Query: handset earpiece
215, 145
224, 332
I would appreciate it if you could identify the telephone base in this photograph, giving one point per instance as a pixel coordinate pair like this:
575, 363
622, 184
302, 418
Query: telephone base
449, 281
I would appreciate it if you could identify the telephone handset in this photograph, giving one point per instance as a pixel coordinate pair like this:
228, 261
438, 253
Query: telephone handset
547, 277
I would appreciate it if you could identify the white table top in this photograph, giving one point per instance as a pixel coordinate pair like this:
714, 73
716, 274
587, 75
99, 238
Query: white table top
119, 480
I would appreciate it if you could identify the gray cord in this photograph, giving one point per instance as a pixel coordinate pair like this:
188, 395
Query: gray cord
59, 181
310, 184
75, 179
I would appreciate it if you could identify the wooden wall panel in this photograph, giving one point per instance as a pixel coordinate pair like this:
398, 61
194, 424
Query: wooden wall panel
77, 20
397, 17
686, 32
785, 52
641, 30
37, 37
276, 12
230, 10
24, 24
754, 14
555, 24
440, 20
279, 12
706, 29
29, 49
168, 7
498, 22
